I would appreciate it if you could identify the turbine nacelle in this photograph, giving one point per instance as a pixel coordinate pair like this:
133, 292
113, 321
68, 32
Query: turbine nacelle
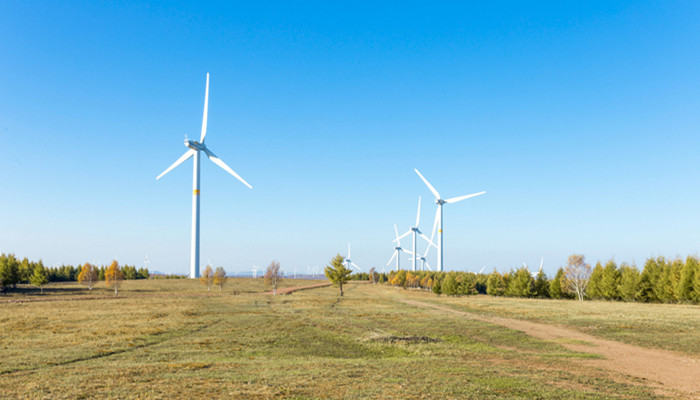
194, 145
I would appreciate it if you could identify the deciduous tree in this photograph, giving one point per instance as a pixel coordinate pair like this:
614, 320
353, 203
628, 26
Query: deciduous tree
337, 273
114, 276
272, 275
207, 277
88, 275
577, 274
220, 278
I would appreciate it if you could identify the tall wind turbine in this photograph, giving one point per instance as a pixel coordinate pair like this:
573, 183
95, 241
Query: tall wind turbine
416, 232
348, 261
440, 201
194, 149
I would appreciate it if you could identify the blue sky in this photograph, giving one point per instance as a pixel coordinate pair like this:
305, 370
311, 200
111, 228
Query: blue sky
579, 120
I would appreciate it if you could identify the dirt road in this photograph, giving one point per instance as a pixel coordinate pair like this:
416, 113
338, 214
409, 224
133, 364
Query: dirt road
667, 371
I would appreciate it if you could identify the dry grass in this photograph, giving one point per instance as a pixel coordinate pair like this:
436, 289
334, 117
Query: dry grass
673, 327
165, 340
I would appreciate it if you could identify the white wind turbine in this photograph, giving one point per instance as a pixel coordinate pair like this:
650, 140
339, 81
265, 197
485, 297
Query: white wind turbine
397, 250
255, 271
440, 201
194, 149
348, 261
416, 232
534, 275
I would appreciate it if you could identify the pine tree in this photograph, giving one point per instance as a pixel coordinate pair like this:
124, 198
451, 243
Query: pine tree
595, 289
39, 278
495, 286
521, 285
610, 282
555, 290
685, 284
629, 282
337, 273
449, 285
541, 285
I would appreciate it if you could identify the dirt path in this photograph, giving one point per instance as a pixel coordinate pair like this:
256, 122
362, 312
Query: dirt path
290, 290
661, 369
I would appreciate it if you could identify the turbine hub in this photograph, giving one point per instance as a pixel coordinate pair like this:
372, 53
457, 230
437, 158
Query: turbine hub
194, 145
439, 201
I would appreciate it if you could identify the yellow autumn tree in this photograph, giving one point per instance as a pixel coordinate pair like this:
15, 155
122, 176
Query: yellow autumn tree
220, 278
114, 276
88, 275
207, 277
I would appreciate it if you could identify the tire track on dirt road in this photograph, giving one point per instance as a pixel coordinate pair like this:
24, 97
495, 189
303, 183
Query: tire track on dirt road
660, 369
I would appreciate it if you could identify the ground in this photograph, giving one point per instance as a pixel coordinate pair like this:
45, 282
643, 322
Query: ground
173, 339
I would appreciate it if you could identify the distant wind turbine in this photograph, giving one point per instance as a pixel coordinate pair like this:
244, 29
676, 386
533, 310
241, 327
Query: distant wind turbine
194, 149
416, 232
440, 201
348, 261
397, 250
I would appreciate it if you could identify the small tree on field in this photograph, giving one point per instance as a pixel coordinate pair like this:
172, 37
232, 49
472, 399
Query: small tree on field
207, 277
114, 276
220, 278
337, 273
40, 277
373, 275
88, 275
555, 290
272, 275
577, 274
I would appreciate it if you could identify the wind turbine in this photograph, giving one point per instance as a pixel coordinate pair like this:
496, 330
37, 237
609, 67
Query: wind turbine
416, 232
349, 262
440, 201
397, 250
194, 149
255, 271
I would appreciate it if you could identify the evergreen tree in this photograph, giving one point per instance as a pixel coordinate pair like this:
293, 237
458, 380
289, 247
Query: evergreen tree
40, 277
337, 273
437, 286
610, 284
629, 282
449, 285
541, 286
685, 284
555, 290
521, 285
595, 284
9, 270
495, 285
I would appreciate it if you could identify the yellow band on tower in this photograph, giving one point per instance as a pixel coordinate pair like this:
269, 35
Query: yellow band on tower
195, 192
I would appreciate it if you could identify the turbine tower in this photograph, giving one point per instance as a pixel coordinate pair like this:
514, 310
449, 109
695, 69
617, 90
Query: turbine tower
194, 149
416, 232
440, 201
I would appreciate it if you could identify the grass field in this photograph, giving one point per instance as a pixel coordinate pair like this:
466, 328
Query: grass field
172, 339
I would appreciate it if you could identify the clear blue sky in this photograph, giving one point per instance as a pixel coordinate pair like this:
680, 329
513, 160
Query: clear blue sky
581, 121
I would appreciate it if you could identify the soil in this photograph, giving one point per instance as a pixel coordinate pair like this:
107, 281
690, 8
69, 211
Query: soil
670, 373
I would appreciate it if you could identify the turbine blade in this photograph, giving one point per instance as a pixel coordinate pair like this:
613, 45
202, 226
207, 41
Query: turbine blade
355, 265
403, 236
392, 257
348, 250
206, 111
456, 199
216, 160
435, 224
189, 153
418, 214
430, 242
541, 262
432, 189
397, 235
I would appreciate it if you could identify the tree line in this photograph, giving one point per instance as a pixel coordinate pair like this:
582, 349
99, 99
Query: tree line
14, 271
659, 281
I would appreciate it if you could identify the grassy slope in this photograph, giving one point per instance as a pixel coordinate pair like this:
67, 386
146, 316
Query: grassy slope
312, 344
665, 326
